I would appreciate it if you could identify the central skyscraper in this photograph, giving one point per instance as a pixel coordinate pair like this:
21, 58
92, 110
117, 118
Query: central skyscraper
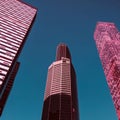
60, 99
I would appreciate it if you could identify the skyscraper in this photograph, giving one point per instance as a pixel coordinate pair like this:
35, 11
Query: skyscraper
16, 19
107, 39
60, 98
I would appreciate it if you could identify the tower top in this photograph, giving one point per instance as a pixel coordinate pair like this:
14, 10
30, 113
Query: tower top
62, 51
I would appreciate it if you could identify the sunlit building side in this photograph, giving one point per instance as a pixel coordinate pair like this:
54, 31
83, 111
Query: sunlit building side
16, 18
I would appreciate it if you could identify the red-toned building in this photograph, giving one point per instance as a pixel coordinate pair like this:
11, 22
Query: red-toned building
60, 99
107, 39
16, 19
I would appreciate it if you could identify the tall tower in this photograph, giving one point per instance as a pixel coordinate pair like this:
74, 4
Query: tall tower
16, 19
107, 39
60, 99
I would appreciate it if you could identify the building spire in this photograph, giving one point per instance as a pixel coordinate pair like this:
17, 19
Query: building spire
62, 51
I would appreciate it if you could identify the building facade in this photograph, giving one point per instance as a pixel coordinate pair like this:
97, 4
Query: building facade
107, 39
16, 19
60, 98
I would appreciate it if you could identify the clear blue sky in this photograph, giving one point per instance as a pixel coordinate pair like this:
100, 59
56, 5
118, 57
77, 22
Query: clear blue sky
72, 22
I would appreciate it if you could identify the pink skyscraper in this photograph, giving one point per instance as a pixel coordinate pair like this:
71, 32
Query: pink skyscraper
16, 19
107, 39
60, 99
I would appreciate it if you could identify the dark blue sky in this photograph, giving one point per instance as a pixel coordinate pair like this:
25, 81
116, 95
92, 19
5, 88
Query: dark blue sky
72, 22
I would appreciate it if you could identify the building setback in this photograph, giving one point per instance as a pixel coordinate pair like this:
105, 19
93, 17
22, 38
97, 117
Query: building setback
16, 19
60, 98
107, 39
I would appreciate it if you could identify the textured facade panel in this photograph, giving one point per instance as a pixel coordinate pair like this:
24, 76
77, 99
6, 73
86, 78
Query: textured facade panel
107, 39
60, 100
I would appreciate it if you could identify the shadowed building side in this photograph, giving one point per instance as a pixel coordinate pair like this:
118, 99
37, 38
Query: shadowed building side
75, 108
8, 87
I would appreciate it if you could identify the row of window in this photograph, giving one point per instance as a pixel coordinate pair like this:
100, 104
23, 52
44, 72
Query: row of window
9, 45
8, 49
11, 24
18, 6
11, 30
26, 20
3, 41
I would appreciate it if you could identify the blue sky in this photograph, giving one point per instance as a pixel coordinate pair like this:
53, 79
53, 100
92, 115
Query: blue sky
72, 22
